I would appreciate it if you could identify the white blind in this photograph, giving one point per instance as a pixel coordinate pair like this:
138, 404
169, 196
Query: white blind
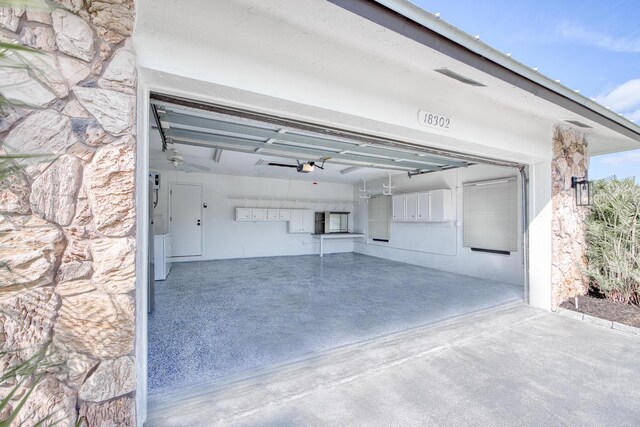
379, 215
491, 215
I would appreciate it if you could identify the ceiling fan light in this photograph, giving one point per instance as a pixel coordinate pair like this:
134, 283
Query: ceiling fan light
306, 168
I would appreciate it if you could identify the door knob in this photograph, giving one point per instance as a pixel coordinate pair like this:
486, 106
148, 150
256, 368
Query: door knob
198, 222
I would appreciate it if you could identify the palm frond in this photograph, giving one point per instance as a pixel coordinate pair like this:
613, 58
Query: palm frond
613, 235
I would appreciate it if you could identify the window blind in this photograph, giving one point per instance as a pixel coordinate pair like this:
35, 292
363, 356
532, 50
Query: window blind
490, 212
379, 215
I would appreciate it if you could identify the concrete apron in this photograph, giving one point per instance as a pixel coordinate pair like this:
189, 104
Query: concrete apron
510, 365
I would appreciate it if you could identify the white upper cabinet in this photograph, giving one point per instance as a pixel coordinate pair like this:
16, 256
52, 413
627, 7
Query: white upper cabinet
398, 206
258, 214
411, 204
243, 214
273, 215
440, 205
423, 206
428, 206
285, 214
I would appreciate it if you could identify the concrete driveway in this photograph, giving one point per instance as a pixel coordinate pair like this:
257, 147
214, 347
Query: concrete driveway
510, 366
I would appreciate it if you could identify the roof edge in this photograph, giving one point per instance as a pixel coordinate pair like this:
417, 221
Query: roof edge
428, 20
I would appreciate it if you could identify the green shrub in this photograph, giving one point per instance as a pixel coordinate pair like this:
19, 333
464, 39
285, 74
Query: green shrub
613, 236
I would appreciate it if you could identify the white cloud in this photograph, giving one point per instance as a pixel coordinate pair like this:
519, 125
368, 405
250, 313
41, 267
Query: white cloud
573, 31
624, 99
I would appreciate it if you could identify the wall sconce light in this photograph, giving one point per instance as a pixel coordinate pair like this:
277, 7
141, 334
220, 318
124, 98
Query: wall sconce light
583, 189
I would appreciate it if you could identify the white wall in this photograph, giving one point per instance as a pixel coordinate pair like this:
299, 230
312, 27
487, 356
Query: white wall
439, 245
300, 67
223, 237
540, 236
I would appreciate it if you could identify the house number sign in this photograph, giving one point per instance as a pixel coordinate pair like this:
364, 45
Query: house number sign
433, 120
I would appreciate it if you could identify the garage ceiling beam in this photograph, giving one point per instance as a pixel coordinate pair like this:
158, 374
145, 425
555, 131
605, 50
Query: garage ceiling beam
247, 131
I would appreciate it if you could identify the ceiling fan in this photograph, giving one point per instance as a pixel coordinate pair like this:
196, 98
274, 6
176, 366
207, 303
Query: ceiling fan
180, 164
301, 167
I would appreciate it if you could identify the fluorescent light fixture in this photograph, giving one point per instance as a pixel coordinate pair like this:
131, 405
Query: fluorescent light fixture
459, 77
351, 169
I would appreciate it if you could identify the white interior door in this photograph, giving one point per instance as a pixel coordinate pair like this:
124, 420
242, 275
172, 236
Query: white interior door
185, 220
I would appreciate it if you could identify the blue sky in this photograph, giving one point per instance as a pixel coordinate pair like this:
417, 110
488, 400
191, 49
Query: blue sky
592, 46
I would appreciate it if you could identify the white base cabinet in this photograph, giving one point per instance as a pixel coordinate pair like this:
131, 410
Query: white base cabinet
427, 206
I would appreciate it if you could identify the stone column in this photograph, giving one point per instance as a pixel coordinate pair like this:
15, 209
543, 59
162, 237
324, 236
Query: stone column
67, 219
569, 259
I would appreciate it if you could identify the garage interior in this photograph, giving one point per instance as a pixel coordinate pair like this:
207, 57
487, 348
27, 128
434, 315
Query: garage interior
244, 205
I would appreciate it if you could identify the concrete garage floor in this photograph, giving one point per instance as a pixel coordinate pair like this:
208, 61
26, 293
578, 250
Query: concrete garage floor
218, 320
509, 366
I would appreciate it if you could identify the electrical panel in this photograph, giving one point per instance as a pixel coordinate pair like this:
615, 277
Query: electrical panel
154, 178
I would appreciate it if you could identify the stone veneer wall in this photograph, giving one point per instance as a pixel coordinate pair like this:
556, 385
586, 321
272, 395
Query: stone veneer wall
569, 259
67, 221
